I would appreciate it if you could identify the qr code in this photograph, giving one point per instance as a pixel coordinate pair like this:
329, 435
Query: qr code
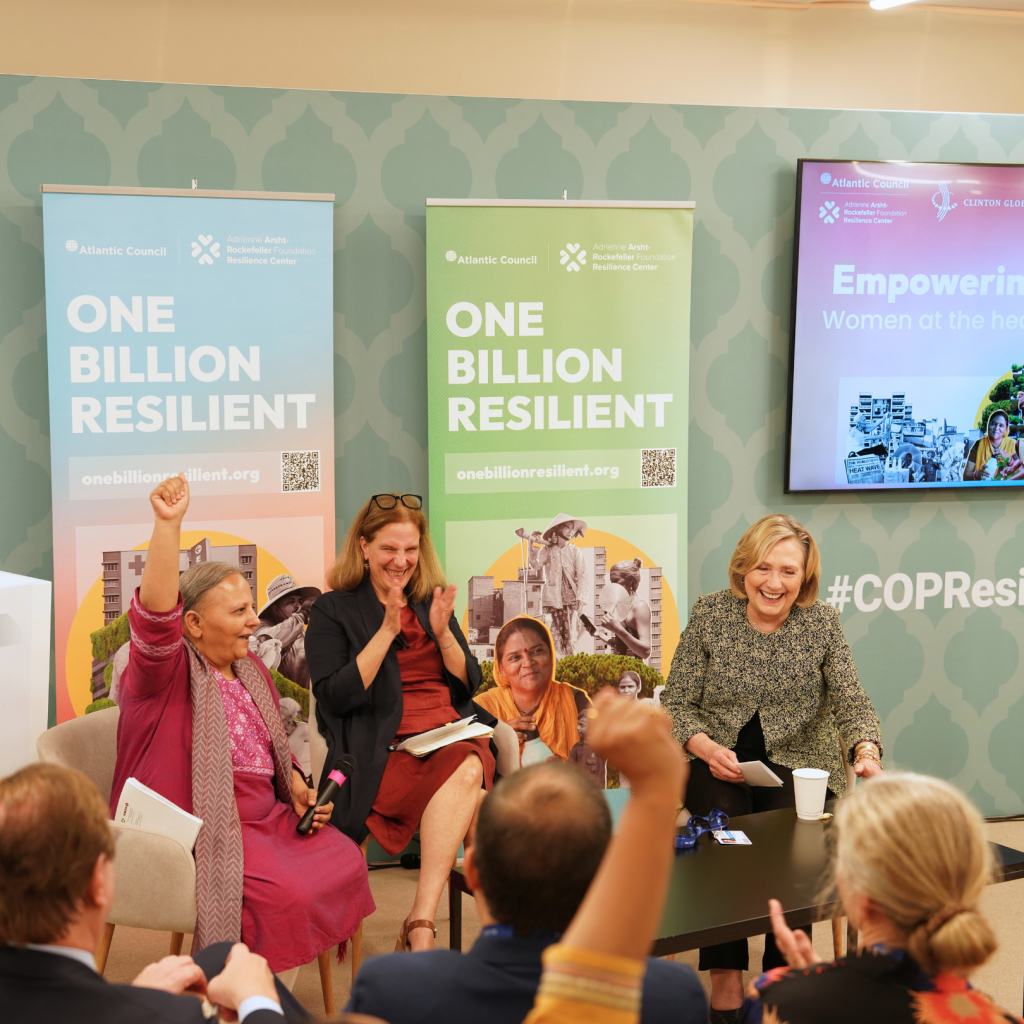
300, 471
657, 467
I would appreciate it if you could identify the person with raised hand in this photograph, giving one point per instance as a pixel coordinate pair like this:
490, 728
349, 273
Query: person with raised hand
911, 862
387, 661
200, 724
594, 974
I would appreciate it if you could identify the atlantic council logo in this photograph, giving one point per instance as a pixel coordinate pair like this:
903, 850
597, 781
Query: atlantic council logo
71, 245
826, 178
829, 212
941, 200
573, 257
206, 250
451, 255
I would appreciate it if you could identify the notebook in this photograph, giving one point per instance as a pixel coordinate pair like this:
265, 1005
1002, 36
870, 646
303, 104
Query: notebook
145, 810
434, 739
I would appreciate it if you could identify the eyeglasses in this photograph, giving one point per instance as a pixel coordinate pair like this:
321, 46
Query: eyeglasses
687, 839
389, 501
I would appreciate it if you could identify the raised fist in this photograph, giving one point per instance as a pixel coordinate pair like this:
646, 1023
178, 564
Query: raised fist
170, 499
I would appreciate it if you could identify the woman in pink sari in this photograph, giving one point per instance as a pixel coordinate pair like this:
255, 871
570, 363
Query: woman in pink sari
200, 724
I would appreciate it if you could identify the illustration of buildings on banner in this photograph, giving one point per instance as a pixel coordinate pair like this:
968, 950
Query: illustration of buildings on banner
491, 605
122, 573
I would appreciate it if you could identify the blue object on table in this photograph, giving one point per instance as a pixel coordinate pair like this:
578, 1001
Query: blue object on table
697, 826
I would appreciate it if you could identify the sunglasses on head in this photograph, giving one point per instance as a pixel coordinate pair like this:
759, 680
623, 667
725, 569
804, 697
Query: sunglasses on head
389, 501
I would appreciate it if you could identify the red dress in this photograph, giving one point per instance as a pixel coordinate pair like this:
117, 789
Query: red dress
410, 782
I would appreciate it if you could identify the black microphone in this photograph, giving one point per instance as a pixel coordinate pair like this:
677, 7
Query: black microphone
343, 769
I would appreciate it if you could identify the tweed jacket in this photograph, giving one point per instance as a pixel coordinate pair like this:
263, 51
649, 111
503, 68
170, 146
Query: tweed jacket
801, 679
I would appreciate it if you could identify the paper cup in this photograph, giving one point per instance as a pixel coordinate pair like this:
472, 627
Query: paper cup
809, 785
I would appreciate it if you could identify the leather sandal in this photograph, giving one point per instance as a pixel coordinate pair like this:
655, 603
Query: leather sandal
403, 945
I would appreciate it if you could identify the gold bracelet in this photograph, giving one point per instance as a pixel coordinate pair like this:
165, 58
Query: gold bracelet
868, 756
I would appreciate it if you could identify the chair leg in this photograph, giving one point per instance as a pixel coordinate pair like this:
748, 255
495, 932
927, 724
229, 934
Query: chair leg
177, 938
104, 947
837, 936
356, 952
326, 984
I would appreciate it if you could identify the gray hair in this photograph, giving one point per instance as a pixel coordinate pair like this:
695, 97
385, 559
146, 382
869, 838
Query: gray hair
203, 576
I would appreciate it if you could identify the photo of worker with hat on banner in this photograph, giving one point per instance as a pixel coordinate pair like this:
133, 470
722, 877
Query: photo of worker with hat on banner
564, 578
280, 640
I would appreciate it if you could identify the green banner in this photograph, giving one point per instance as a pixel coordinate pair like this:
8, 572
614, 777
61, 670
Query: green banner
558, 352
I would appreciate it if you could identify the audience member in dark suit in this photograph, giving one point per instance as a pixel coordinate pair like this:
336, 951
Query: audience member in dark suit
56, 888
540, 836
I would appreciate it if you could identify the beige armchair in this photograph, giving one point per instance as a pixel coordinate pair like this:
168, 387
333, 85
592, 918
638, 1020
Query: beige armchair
507, 742
156, 876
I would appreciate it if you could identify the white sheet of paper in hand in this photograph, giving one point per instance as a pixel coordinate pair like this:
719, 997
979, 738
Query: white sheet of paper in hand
757, 773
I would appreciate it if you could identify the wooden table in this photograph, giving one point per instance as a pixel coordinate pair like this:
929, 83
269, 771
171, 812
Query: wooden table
718, 893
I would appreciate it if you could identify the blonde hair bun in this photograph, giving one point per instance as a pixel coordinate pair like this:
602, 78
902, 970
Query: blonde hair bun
962, 941
916, 847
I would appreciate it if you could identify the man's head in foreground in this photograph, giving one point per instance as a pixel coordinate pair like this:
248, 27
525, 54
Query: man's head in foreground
540, 837
56, 858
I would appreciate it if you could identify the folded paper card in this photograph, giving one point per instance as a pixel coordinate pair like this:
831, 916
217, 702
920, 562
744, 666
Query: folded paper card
145, 810
757, 773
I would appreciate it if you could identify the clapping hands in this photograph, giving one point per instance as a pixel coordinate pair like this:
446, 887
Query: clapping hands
441, 614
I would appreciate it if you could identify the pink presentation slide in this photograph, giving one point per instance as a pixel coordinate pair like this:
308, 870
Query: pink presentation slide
908, 329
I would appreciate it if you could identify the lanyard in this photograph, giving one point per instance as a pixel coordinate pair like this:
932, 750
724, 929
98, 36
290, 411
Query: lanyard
697, 826
507, 931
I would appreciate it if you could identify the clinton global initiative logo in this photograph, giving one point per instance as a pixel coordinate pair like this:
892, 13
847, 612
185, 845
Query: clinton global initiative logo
826, 178
71, 245
451, 255
206, 250
941, 200
829, 212
573, 257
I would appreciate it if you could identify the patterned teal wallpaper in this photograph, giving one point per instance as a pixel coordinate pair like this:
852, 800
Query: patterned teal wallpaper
947, 683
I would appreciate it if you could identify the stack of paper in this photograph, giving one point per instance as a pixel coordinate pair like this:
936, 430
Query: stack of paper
427, 742
145, 810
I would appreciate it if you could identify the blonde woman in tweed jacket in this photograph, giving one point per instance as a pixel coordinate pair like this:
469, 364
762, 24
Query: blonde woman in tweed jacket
763, 673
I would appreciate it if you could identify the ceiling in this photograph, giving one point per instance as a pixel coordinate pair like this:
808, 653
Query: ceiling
1013, 8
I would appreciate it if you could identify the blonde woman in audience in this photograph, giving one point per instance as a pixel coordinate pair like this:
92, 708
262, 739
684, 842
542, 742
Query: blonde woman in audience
594, 975
911, 864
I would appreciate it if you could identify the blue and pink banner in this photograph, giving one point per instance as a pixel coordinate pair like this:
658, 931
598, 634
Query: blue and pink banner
187, 332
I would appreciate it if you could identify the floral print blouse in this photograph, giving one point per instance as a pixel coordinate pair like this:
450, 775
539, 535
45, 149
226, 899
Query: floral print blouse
879, 985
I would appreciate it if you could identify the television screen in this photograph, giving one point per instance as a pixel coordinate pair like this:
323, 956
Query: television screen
907, 357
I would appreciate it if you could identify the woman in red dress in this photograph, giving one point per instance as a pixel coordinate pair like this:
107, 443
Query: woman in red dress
387, 660
200, 724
